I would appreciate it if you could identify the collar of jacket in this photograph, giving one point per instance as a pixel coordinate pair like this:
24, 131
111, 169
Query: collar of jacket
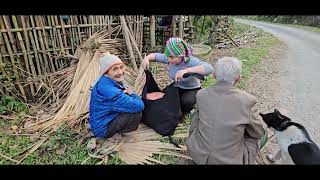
120, 85
224, 84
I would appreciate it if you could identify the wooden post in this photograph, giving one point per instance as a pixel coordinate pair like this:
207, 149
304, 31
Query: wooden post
174, 26
152, 31
180, 26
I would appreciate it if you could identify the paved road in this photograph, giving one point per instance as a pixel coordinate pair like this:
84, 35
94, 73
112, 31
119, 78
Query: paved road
299, 77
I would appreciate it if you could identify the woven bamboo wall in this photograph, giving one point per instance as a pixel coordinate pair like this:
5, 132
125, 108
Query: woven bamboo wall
32, 47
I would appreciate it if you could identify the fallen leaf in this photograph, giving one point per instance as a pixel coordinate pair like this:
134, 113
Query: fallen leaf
92, 144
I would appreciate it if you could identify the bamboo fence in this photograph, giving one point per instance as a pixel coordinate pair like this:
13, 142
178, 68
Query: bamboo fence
32, 48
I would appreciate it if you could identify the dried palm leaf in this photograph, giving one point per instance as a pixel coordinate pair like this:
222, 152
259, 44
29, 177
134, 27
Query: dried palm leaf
139, 146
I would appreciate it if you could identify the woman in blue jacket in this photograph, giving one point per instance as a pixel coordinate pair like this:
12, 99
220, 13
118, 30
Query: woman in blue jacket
114, 108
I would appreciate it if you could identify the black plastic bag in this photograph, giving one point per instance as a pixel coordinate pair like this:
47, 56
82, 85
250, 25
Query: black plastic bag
162, 115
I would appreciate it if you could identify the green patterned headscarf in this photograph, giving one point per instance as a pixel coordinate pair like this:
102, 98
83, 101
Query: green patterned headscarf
177, 47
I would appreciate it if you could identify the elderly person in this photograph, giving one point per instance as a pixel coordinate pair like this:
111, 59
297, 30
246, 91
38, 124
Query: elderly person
114, 108
226, 128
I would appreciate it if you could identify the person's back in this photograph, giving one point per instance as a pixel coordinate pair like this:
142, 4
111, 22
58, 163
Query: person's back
217, 134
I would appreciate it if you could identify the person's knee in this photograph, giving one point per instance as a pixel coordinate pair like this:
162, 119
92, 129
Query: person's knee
138, 115
135, 121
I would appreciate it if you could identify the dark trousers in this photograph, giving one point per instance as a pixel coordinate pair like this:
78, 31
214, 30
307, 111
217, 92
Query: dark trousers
187, 99
124, 123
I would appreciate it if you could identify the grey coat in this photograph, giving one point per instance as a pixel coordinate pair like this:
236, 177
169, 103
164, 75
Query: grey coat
226, 129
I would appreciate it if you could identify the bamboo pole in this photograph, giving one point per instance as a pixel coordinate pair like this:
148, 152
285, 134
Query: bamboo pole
15, 23
125, 32
85, 22
174, 26
180, 26
52, 41
92, 24
31, 63
12, 40
134, 43
191, 29
35, 54
2, 89
41, 45
71, 41
141, 30
13, 61
152, 32
42, 23
59, 35
56, 42
74, 35
64, 34
36, 41
91, 27
78, 27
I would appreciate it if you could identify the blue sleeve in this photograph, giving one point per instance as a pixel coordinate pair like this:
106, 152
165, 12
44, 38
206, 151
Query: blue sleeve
161, 58
196, 62
125, 103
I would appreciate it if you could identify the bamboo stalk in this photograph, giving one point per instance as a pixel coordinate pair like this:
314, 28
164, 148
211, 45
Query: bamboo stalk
59, 35
64, 34
180, 27
86, 22
45, 59
78, 27
141, 30
56, 42
14, 20
92, 26
2, 45
34, 42
13, 61
54, 63
74, 35
135, 45
71, 38
42, 23
12, 39
127, 39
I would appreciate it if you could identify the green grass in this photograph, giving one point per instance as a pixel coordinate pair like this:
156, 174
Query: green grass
250, 58
12, 146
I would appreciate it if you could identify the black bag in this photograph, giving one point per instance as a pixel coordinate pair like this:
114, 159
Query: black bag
162, 115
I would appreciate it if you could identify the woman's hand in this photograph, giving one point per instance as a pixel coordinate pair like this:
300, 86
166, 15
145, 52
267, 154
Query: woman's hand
179, 74
145, 63
128, 91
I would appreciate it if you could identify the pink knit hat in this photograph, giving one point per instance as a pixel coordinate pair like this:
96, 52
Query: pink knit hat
108, 60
